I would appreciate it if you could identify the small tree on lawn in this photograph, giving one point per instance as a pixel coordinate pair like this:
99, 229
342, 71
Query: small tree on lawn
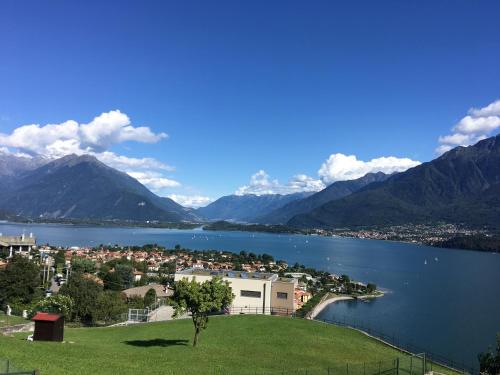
200, 299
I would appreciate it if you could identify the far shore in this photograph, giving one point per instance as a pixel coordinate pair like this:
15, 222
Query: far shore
332, 298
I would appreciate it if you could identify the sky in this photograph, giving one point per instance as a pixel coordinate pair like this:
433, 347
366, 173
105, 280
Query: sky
200, 99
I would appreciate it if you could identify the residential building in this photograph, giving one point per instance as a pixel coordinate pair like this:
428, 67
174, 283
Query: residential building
254, 292
17, 244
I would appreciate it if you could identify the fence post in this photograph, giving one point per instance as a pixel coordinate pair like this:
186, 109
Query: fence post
328, 371
347, 368
8, 366
397, 366
379, 365
411, 365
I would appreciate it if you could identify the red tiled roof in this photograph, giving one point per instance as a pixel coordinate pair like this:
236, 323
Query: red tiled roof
46, 317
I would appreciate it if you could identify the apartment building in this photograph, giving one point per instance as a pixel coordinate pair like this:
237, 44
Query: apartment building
254, 292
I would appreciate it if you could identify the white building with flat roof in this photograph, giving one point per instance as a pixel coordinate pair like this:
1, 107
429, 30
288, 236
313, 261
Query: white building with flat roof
253, 291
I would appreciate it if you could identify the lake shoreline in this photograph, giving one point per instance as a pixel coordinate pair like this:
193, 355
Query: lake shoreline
328, 299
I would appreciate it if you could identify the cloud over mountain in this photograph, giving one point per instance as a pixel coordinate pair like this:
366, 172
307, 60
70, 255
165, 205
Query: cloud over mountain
340, 167
477, 125
96, 137
261, 183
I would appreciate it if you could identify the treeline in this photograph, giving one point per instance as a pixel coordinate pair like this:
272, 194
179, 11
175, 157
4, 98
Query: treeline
89, 297
276, 228
103, 223
473, 242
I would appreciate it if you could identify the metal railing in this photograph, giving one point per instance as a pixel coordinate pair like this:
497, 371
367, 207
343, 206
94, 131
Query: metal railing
145, 315
396, 341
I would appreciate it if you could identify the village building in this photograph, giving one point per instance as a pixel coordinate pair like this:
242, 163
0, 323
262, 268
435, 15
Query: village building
162, 292
17, 244
254, 292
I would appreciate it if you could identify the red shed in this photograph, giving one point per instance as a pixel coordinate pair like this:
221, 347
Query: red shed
48, 327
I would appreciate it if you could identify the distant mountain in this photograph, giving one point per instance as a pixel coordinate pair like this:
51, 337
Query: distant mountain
461, 186
333, 192
246, 208
12, 166
81, 187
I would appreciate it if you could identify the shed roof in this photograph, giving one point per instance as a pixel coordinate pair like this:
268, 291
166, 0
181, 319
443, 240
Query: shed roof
46, 317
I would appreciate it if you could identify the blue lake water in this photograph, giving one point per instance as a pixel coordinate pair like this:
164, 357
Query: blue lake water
445, 301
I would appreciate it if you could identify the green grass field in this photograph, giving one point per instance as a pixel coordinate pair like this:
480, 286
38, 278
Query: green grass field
230, 345
11, 320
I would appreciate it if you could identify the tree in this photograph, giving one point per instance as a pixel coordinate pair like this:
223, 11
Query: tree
19, 282
56, 304
82, 265
371, 287
489, 362
122, 277
150, 297
60, 258
110, 305
201, 299
345, 279
84, 292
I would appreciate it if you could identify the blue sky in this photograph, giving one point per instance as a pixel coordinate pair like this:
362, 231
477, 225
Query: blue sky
242, 87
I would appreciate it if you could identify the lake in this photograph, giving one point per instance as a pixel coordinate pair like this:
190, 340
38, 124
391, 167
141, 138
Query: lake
446, 301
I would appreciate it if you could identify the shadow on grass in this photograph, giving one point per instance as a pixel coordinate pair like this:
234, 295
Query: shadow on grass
156, 342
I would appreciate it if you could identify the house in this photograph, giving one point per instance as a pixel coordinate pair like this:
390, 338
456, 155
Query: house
301, 297
17, 244
140, 291
254, 292
138, 275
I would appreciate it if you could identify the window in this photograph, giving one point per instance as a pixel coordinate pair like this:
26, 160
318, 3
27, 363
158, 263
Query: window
282, 295
250, 293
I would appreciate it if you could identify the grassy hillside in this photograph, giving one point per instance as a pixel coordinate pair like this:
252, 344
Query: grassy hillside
237, 344
11, 320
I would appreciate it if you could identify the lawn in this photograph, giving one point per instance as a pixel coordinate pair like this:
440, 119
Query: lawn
6, 320
230, 345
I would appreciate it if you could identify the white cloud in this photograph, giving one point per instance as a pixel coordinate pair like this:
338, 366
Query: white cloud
126, 163
261, 184
190, 200
95, 138
154, 180
340, 167
479, 124
6, 151
492, 109
56, 140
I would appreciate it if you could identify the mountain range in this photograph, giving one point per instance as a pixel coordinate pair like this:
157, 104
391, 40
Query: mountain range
461, 186
247, 208
332, 192
82, 187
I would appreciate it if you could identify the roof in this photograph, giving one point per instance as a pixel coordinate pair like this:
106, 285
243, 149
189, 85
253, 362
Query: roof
142, 290
230, 274
46, 317
17, 241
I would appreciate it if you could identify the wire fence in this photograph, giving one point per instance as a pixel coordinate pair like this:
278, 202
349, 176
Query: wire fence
432, 358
